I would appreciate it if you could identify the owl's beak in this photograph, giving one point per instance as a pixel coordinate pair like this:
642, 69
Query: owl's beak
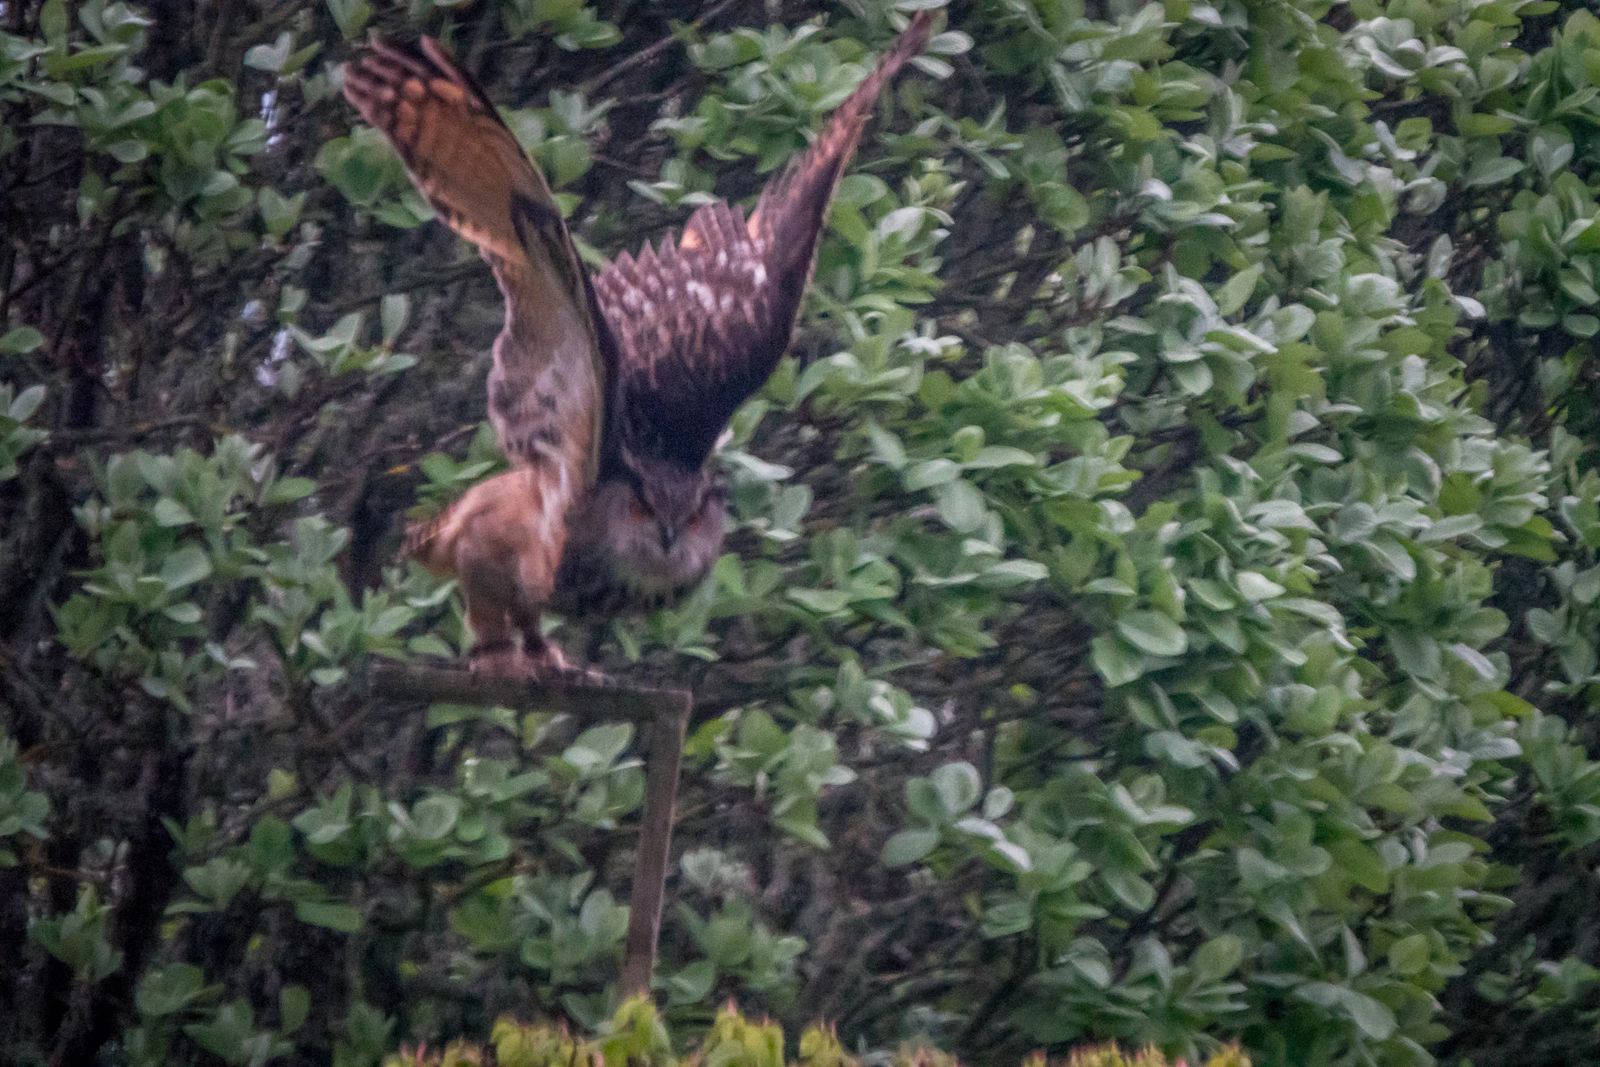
668, 533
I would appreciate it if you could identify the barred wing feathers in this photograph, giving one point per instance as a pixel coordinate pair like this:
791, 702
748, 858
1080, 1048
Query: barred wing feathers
550, 375
701, 323
698, 329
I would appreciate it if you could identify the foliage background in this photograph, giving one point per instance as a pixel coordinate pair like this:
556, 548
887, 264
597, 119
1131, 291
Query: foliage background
1164, 600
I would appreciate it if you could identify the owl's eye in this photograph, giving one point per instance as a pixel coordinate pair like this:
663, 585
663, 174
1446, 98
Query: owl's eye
637, 509
694, 522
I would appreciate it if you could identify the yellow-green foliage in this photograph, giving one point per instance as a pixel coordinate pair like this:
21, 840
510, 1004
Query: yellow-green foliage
1111, 1056
516, 1045
819, 1047
735, 1041
636, 1037
920, 1056
456, 1054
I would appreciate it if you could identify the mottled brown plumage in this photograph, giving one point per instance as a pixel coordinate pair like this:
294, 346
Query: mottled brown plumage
701, 323
608, 396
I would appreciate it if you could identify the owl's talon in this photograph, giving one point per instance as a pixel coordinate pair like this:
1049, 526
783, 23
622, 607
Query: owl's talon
499, 661
546, 657
577, 676
550, 664
545, 663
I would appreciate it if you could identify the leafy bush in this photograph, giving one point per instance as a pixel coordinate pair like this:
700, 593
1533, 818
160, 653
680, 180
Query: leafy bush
636, 1036
1162, 606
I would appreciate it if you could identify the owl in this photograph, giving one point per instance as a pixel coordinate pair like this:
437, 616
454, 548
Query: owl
607, 392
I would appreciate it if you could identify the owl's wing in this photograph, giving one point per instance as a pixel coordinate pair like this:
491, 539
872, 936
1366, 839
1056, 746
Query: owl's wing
465, 160
700, 323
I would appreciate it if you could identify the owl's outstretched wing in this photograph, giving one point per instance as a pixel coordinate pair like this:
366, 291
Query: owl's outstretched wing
700, 323
547, 389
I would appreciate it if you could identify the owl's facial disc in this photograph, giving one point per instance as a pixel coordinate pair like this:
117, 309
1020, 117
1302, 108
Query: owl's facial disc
652, 535
670, 509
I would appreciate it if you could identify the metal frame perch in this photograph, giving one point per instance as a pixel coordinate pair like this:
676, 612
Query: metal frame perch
666, 714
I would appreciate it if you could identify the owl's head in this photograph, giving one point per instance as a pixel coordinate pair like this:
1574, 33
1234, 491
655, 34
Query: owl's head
656, 530
667, 503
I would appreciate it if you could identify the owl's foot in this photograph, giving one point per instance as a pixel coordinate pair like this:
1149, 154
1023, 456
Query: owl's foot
545, 657
501, 659
552, 665
542, 662
584, 676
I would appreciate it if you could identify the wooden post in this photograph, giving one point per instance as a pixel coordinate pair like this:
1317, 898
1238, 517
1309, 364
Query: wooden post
655, 849
662, 713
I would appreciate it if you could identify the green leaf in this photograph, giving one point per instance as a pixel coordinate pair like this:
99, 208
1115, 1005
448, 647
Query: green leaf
821, 601
1217, 958
168, 512
886, 447
169, 989
344, 918
1481, 665
961, 506
1115, 661
1373, 1017
184, 567
26, 403
1550, 147
909, 846
1409, 955
1153, 633
394, 312
288, 490
435, 817
929, 473
294, 1005
1256, 587
270, 57
959, 786
1494, 170
1233, 294
229, 1033
350, 15
184, 613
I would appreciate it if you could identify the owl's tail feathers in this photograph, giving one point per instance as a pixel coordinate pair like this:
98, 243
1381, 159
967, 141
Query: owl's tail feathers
787, 220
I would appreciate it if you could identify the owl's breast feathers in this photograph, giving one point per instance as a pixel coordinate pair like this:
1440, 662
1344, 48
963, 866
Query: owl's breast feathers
591, 586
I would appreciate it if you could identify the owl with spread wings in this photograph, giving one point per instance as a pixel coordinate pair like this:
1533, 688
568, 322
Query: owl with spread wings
607, 392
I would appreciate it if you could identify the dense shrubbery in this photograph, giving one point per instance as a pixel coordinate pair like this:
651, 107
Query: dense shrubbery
1165, 597
635, 1037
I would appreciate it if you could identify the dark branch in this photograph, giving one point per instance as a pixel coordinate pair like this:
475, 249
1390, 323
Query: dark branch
577, 695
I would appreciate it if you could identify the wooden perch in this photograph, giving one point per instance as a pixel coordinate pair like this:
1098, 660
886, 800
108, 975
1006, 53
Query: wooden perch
655, 847
664, 713
575, 694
